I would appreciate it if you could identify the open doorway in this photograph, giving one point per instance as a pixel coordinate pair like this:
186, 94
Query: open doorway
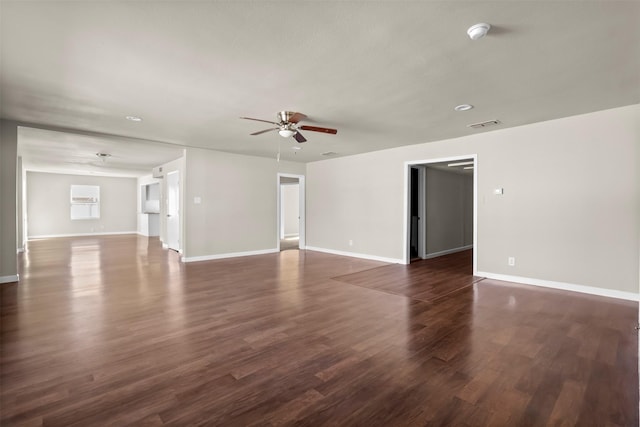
290, 212
441, 208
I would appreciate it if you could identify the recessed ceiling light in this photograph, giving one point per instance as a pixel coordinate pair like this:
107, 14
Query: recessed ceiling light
295, 147
103, 156
134, 118
463, 107
460, 163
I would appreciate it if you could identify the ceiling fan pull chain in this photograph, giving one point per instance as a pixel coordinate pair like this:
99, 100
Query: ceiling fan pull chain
278, 156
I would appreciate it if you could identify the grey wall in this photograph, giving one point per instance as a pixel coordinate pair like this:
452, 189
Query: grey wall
238, 195
449, 210
569, 212
8, 199
48, 205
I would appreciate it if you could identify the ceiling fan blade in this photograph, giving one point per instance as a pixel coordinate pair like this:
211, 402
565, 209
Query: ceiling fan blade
260, 120
264, 131
297, 117
318, 129
298, 137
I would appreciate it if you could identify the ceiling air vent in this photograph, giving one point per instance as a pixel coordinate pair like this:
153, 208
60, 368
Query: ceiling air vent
329, 153
484, 124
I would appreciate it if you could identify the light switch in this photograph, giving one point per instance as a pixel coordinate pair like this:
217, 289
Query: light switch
498, 191
197, 200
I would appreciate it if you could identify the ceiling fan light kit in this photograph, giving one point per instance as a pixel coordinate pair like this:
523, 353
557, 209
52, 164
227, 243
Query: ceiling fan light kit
286, 133
287, 126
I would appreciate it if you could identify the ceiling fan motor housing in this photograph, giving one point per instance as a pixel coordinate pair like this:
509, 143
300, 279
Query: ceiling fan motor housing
285, 116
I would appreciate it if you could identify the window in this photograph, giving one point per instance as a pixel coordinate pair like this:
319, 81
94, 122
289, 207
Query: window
85, 202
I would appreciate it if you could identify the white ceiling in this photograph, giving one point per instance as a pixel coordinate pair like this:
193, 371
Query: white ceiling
384, 73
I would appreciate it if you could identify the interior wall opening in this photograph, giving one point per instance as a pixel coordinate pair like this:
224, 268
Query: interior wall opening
291, 205
441, 208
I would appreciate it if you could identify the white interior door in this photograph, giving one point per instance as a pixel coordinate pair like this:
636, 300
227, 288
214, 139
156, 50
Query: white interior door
173, 210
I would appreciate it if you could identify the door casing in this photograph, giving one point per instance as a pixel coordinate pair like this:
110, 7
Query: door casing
407, 200
302, 227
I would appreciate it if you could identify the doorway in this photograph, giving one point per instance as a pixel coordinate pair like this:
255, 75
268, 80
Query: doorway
440, 208
173, 210
291, 212
417, 207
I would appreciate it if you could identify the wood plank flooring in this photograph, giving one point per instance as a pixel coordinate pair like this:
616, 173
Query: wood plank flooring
424, 280
116, 331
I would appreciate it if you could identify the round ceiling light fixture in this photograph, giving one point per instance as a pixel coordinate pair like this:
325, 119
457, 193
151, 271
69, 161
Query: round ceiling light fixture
134, 118
478, 31
463, 107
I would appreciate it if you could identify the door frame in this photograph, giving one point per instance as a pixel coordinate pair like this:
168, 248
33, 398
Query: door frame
407, 200
422, 210
179, 204
301, 209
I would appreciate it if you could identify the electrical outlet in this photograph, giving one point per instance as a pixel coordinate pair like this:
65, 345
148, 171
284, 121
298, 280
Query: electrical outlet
350, 242
511, 261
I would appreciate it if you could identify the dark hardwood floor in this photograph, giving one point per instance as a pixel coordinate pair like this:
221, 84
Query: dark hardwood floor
424, 280
116, 331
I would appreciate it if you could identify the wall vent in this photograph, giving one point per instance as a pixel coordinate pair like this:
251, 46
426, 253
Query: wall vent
484, 124
329, 153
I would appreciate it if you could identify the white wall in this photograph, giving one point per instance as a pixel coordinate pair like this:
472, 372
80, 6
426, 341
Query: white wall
48, 205
238, 194
290, 199
449, 211
569, 212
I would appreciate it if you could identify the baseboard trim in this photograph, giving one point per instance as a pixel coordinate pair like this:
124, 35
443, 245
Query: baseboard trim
228, 255
146, 235
53, 236
355, 255
448, 251
610, 293
291, 235
9, 279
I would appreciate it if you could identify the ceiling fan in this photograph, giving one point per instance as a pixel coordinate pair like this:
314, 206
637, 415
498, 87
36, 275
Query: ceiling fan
288, 125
